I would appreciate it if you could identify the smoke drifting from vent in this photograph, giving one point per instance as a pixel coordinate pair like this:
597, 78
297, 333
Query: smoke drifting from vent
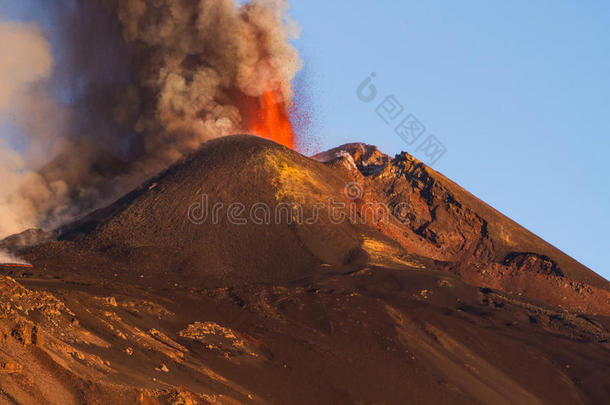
6, 257
25, 64
136, 85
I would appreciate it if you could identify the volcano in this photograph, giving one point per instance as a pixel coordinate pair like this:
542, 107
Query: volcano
248, 273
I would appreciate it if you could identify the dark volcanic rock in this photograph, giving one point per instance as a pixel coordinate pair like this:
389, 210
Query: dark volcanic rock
532, 262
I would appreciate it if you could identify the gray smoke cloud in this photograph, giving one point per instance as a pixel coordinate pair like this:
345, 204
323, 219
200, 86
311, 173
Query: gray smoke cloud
25, 64
135, 86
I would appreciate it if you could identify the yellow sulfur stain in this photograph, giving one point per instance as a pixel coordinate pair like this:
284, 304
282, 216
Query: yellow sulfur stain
292, 182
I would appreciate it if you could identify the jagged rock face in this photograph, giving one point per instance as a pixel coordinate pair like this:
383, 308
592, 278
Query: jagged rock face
430, 219
437, 216
532, 262
366, 158
444, 301
439, 220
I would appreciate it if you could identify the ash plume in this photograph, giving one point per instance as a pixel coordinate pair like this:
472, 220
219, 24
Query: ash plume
131, 87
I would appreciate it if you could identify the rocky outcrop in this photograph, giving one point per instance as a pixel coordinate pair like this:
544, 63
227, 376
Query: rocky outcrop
10, 368
532, 262
435, 218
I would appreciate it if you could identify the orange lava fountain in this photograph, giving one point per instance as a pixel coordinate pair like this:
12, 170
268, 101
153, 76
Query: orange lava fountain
269, 119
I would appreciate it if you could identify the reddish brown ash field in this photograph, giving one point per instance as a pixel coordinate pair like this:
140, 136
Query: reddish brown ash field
448, 302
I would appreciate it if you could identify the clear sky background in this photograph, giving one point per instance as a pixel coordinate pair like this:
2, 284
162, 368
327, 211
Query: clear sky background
517, 91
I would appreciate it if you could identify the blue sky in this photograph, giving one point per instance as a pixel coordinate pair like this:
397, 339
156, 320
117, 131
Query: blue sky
518, 92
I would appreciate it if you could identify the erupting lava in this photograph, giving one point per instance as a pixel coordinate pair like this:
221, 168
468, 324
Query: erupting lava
269, 119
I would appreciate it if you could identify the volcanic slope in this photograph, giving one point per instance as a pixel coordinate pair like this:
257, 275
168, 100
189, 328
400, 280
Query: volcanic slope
436, 218
443, 301
240, 210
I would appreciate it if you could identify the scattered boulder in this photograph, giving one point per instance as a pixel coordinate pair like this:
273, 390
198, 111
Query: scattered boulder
10, 368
